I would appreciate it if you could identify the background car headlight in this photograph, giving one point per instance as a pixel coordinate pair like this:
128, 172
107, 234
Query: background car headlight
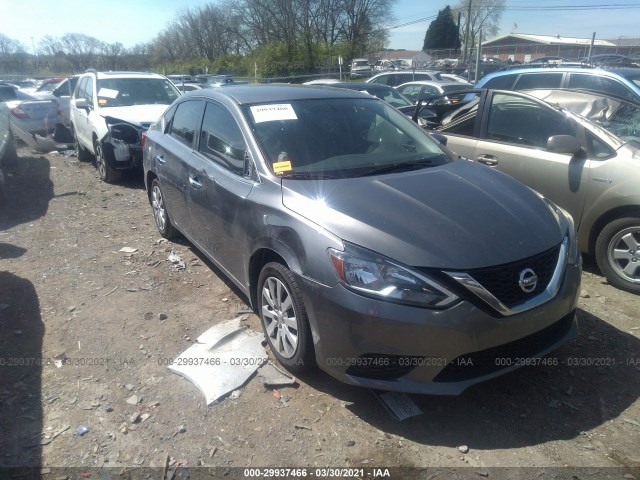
376, 276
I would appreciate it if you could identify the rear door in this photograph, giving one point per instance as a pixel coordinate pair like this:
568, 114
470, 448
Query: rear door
171, 157
217, 190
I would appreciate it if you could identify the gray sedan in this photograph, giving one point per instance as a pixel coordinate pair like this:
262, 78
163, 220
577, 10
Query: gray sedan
364, 247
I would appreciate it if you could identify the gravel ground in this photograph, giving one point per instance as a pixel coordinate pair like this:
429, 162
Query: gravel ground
106, 323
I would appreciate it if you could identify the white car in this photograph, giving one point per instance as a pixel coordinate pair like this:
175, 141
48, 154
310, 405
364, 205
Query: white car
110, 110
426, 88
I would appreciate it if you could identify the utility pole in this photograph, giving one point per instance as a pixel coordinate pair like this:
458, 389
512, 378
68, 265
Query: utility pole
458, 34
466, 35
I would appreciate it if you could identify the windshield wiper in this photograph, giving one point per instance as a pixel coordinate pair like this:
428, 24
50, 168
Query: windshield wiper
308, 176
398, 167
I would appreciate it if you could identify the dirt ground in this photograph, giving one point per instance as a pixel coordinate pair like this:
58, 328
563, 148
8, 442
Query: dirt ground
112, 320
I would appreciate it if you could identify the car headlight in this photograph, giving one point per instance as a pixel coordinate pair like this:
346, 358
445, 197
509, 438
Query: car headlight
374, 275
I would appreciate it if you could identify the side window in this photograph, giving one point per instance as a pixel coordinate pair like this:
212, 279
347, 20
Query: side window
221, 139
521, 121
464, 126
598, 149
79, 93
185, 121
383, 79
88, 92
538, 80
166, 119
503, 82
598, 84
411, 92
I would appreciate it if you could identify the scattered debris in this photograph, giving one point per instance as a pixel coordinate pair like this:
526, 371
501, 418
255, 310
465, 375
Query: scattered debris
302, 427
135, 416
133, 400
272, 376
463, 449
81, 430
224, 358
176, 259
243, 311
630, 422
399, 405
162, 316
128, 250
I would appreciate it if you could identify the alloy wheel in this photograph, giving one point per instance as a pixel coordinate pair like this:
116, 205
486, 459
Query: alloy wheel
281, 324
624, 254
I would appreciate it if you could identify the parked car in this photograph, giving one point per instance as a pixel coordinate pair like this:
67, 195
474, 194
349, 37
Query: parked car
48, 84
362, 245
187, 87
32, 116
221, 80
360, 68
621, 82
585, 169
109, 111
425, 88
452, 77
617, 115
383, 66
393, 79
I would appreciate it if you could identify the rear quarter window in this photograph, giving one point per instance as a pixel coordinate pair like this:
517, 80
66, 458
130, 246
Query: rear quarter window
538, 80
502, 82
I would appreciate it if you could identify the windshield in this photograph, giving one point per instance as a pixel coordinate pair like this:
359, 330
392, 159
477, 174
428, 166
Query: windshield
125, 92
389, 95
338, 138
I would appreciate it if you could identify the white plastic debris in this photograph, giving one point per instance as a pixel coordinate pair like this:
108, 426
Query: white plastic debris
176, 260
224, 358
272, 376
399, 405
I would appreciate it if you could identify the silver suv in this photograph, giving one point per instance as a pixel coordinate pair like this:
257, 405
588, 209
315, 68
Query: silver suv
110, 110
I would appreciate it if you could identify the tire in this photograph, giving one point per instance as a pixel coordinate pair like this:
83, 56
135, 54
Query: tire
160, 215
284, 318
81, 153
618, 253
107, 174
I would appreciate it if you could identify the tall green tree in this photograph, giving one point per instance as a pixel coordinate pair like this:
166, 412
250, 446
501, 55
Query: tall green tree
442, 32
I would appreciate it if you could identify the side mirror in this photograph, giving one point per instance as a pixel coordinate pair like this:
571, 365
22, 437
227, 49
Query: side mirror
438, 137
563, 144
81, 103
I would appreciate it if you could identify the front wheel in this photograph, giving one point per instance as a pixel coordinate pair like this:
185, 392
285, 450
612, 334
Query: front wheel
106, 172
81, 153
618, 253
284, 318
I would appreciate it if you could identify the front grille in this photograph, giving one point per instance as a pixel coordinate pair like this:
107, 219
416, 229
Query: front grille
485, 362
502, 281
382, 367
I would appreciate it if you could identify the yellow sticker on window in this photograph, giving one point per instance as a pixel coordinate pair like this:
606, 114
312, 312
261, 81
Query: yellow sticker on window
281, 167
102, 101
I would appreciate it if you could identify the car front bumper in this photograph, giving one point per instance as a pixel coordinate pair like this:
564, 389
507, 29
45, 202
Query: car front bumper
387, 346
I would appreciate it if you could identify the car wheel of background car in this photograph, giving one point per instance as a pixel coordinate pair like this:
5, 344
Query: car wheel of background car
160, 215
81, 153
618, 253
284, 318
107, 174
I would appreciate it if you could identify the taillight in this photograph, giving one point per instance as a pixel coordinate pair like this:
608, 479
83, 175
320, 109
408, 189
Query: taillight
19, 113
143, 139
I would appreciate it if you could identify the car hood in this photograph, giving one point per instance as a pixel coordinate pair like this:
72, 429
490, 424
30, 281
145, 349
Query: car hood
457, 216
136, 114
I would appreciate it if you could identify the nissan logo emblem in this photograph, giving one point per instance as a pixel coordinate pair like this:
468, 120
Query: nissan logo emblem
528, 280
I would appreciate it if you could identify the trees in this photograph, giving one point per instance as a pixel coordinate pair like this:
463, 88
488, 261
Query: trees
479, 15
442, 32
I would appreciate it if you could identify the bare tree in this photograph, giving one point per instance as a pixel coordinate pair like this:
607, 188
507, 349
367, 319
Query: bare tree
361, 22
9, 46
81, 49
479, 15
111, 53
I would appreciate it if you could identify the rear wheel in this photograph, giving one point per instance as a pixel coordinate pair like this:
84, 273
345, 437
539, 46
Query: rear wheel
618, 253
81, 153
160, 215
106, 172
284, 318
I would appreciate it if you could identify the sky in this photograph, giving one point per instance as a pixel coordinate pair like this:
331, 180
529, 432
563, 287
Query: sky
137, 21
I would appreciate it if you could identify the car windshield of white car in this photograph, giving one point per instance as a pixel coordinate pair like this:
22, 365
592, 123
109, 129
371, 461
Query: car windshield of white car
337, 138
125, 92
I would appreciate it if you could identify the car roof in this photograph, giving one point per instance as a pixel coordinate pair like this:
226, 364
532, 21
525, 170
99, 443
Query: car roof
437, 83
243, 94
125, 74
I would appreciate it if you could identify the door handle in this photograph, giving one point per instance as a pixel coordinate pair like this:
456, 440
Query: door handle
193, 181
489, 160
160, 159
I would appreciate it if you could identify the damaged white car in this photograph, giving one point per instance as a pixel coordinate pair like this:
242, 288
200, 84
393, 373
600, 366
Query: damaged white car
110, 110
